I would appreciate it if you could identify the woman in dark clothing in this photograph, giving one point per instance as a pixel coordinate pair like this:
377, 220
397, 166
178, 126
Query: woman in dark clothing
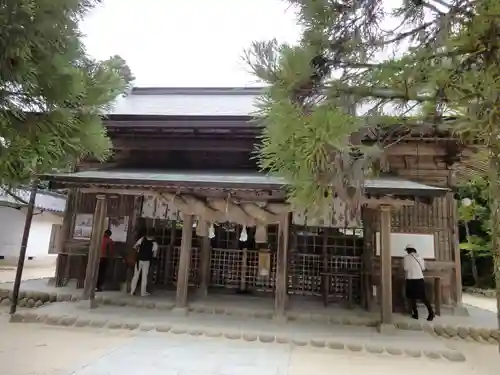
415, 285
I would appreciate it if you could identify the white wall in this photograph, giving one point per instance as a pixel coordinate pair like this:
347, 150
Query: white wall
11, 232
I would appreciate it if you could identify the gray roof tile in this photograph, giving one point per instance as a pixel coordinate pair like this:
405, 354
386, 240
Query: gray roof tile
390, 185
45, 200
188, 102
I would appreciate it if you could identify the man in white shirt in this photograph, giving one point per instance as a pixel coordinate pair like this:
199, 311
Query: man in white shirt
415, 285
147, 250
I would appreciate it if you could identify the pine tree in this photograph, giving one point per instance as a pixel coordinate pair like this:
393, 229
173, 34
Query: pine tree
403, 64
52, 94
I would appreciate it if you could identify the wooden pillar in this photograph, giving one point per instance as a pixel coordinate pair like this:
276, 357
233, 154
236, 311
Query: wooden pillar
169, 252
281, 295
206, 249
184, 262
455, 248
66, 233
385, 265
98, 228
131, 240
453, 239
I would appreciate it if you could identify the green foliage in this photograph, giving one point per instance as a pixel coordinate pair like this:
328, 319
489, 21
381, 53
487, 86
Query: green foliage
477, 246
475, 216
438, 61
435, 65
52, 94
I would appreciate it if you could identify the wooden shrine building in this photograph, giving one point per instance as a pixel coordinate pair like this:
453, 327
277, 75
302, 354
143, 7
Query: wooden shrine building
183, 170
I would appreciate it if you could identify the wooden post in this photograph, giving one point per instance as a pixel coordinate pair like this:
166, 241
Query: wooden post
280, 298
24, 246
98, 227
385, 265
66, 232
184, 262
131, 240
206, 249
454, 244
169, 252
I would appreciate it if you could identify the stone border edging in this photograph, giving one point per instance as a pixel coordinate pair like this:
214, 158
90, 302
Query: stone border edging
470, 334
29, 299
74, 321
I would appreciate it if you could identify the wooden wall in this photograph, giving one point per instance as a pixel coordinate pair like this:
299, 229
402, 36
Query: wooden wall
117, 207
73, 252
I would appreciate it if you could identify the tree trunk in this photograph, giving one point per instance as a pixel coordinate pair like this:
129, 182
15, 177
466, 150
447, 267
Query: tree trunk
475, 274
494, 187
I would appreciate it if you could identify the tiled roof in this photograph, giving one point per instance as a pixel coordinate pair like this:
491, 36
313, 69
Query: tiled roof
173, 101
45, 200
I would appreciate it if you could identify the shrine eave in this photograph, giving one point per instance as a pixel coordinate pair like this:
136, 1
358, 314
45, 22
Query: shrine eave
382, 186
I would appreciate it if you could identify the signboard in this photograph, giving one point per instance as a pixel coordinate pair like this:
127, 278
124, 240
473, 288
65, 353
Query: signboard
119, 229
423, 243
83, 226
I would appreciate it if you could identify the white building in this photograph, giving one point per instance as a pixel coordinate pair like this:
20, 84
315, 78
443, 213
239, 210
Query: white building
47, 217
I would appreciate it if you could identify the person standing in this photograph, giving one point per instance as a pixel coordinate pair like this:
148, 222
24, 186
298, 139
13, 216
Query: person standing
106, 252
414, 267
147, 250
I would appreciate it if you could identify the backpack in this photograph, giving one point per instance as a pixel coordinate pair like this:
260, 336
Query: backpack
145, 250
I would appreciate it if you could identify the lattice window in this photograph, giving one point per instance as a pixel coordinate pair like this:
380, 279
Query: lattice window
316, 251
307, 240
194, 266
305, 274
225, 268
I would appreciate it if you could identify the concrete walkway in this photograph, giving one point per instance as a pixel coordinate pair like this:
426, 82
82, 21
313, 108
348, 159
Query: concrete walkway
8, 273
36, 349
480, 302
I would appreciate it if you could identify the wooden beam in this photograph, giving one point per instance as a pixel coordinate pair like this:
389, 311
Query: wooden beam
184, 262
385, 265
184, 143
281, 293
205, 257
98, 227
377, 202
416, 149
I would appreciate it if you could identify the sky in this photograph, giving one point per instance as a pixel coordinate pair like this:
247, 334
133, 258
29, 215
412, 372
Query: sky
186, 43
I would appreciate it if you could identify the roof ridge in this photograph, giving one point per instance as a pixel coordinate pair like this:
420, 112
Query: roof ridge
248, 90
